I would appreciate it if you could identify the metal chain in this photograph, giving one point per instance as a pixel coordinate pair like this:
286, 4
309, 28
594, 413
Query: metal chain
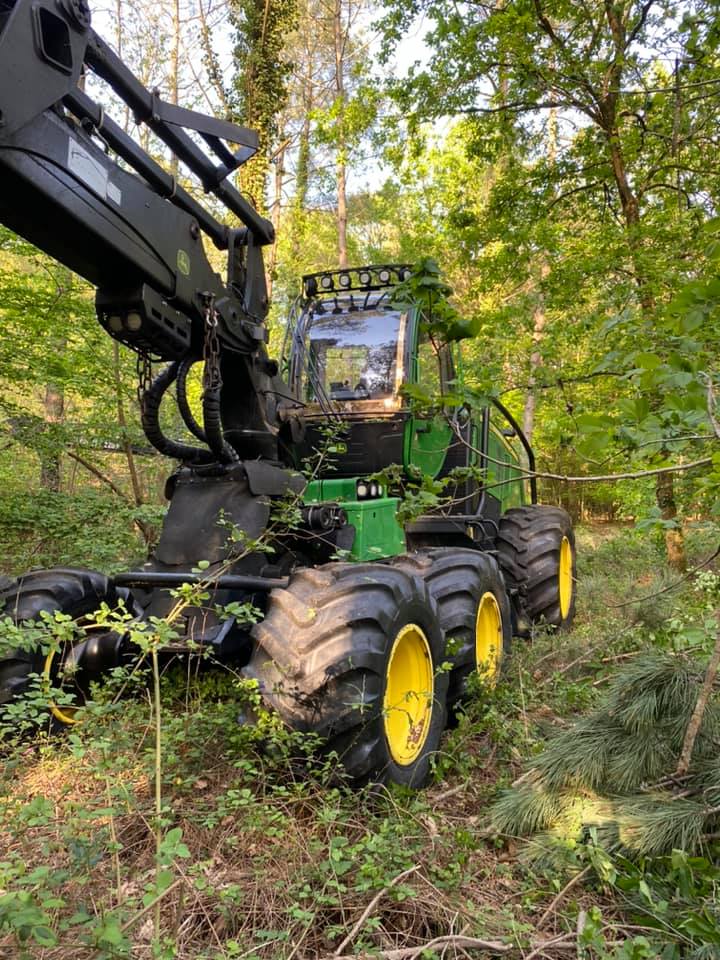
212, 379
144, 375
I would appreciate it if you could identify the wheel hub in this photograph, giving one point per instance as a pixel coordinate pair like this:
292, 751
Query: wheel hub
488, 637
565, 580
409, 689
75, 665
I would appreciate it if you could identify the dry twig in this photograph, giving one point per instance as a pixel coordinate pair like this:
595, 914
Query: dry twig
693, 727
565, 890
371, 906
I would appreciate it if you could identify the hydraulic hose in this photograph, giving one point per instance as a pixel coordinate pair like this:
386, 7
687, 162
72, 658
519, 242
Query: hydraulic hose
213, 426
185, 412
150, 416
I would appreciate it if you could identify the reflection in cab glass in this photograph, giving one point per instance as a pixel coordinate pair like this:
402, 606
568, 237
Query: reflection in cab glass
354, 357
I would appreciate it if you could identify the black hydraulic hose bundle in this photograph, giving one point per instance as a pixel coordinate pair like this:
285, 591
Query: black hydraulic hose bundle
213, 426
213, 434
150, 416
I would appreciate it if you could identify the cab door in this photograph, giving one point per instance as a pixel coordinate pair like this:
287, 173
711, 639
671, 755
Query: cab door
428, 434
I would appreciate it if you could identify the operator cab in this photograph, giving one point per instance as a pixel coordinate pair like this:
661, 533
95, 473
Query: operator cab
349, 352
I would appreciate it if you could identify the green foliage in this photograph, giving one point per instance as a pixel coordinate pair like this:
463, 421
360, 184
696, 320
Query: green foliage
600, 773
261, 80
427, 292
90, 529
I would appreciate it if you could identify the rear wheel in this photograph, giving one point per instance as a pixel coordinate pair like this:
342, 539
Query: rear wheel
352, 652
473, 610
536, 549
77, 593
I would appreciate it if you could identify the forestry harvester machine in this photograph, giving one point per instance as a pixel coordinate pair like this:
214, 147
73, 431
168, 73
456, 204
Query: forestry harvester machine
352, 649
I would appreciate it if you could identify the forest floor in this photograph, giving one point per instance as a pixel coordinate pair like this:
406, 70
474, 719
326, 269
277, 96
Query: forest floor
263, 858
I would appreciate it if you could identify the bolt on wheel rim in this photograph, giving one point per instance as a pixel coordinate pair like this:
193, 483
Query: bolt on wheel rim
488, 637
408, 701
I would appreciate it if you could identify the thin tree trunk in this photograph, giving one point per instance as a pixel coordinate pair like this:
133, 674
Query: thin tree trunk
278, 180
341, 169
665, 483
147, 530
119, 46
302, 175
54, 406
535, 363
175, 70
539, 318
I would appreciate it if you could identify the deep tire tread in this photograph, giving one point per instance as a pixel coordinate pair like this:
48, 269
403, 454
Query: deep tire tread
457, 579
320, 657
528, 549
73, 591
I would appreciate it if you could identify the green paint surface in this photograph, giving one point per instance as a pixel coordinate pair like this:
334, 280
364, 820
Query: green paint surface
377, 531
426, 444
511, 490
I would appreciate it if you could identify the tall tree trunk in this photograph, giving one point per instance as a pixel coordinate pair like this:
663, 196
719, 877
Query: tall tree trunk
539, 318
119, 38
302, 170
341, 170
665, 483
147, 530
535, 361
278, 180
54, 407
175, 70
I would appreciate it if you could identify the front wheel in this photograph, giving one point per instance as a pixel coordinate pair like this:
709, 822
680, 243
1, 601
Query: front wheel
353, 653
78, 594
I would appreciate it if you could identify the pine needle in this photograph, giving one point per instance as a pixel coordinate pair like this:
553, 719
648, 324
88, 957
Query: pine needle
651, 826
526, 810
596, 774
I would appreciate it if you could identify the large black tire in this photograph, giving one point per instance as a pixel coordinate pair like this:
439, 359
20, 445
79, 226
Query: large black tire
322, 657
459, 581
75, 592
532, 543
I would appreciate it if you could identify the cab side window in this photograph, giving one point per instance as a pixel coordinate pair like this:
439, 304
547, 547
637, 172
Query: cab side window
434, 367
428, 368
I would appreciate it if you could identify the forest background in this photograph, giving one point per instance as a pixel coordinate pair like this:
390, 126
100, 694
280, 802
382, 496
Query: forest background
560, 165
559, 161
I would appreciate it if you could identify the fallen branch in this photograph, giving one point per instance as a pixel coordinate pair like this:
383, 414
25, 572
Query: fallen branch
563, 478
564, 941
91, 468
151, 906
371, 906
565, 890
567, 941
672, 586
457, 941
693, 727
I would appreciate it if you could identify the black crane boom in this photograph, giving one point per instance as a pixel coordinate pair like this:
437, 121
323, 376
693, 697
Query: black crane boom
75, 184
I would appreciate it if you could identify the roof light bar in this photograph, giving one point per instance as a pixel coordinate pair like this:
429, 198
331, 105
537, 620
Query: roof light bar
360, 278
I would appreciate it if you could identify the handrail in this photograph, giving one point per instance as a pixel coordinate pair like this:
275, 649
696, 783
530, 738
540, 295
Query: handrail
524, 441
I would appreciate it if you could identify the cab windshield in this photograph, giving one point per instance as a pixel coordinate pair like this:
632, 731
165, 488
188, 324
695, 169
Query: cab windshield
353, 356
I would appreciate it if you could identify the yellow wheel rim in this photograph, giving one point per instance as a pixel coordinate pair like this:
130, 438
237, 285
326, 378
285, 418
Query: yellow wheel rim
65, 715
409, 688
565, 578
488, 637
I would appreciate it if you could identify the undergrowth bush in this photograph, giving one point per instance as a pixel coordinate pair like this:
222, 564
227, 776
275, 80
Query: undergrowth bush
255, 847
87, 529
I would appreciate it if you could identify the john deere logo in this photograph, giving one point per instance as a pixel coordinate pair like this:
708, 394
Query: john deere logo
183, 263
